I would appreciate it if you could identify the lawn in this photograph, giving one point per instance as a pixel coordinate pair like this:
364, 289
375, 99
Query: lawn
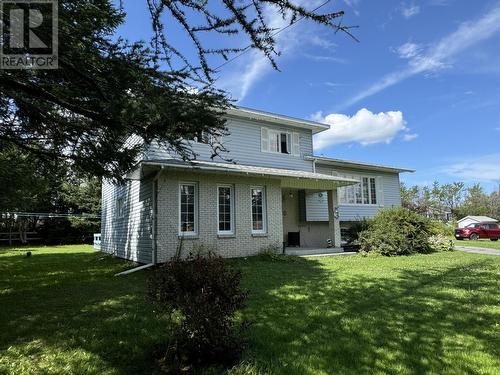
479, 243
63, 312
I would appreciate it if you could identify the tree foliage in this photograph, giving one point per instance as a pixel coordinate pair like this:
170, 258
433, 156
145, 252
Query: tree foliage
110, 98
455, 198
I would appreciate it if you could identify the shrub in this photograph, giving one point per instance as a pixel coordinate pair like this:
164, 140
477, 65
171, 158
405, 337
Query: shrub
439, 242
397, 231
354, 229
205, 294
444, 229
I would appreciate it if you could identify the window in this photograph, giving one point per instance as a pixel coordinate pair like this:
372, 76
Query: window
225, 209
365, 192
188, 205
120, 207
206, 138
280, 142
258, 210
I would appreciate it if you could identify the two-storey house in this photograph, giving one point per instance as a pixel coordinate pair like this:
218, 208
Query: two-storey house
274, 192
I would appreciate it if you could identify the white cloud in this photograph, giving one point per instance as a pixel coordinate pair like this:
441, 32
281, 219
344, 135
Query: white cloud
365, 127
321, 58
483, 168
410, 137
410, 10
408, 50
438, 55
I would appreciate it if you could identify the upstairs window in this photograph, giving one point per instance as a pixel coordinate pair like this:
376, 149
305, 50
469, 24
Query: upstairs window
280, 142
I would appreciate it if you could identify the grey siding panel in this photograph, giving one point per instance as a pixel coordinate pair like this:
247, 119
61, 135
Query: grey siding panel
391, 194
127, 237
244, 147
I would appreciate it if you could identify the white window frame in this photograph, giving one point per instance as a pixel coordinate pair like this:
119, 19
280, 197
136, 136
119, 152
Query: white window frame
292, 140
231, 209
195, 224
343, 192
120, 207
264, 210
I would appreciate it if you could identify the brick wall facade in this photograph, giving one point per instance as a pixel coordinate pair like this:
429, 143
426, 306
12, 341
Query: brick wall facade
242, 243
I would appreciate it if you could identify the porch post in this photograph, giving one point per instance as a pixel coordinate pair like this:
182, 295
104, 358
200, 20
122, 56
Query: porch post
333, 222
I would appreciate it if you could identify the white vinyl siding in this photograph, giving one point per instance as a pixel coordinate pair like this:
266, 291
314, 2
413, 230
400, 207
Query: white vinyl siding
225, 209
258, 197
317, 206
188, 209
129, 237
247, 143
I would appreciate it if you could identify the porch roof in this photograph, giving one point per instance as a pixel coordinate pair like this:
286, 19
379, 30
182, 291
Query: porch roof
289, 178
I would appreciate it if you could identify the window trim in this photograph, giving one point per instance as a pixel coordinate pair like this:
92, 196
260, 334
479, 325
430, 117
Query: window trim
195, 224
290, 138
231, 210
264, 210
120, 207
360, 177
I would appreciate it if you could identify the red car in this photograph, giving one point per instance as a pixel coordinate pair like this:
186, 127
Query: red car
479, 230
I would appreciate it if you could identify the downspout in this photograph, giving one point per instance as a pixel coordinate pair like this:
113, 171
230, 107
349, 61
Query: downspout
314, 165
155, 216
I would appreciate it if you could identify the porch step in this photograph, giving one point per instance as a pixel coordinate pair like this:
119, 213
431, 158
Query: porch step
297, 251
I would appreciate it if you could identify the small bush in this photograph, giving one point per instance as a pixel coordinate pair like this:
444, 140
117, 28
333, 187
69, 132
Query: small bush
397, 231
444, 229
439, 242
204, 294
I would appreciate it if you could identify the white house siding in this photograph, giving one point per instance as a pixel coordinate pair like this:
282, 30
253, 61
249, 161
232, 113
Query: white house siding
243, 243
388, 194
244, 145
129, 236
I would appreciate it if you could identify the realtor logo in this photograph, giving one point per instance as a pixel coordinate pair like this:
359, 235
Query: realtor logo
28, 34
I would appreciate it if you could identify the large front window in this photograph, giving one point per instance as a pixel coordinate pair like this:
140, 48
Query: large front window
187, 209
258, 210
225, 211
364, 192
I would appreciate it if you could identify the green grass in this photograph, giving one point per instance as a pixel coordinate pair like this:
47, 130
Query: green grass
479, 243
63, 312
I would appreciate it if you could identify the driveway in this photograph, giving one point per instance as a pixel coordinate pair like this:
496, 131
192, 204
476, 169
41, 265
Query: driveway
478, 250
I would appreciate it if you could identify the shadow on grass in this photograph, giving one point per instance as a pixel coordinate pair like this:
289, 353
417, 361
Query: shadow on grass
67, 313
312, 318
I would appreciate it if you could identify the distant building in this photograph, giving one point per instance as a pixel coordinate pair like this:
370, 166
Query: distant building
462, 223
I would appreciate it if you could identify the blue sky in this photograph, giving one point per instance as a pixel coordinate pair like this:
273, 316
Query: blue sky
420, 90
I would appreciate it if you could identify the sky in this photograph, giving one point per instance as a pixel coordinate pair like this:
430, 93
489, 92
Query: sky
420, 90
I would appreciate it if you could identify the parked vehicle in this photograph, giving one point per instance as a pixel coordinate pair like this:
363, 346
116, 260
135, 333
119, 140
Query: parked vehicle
475, 231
